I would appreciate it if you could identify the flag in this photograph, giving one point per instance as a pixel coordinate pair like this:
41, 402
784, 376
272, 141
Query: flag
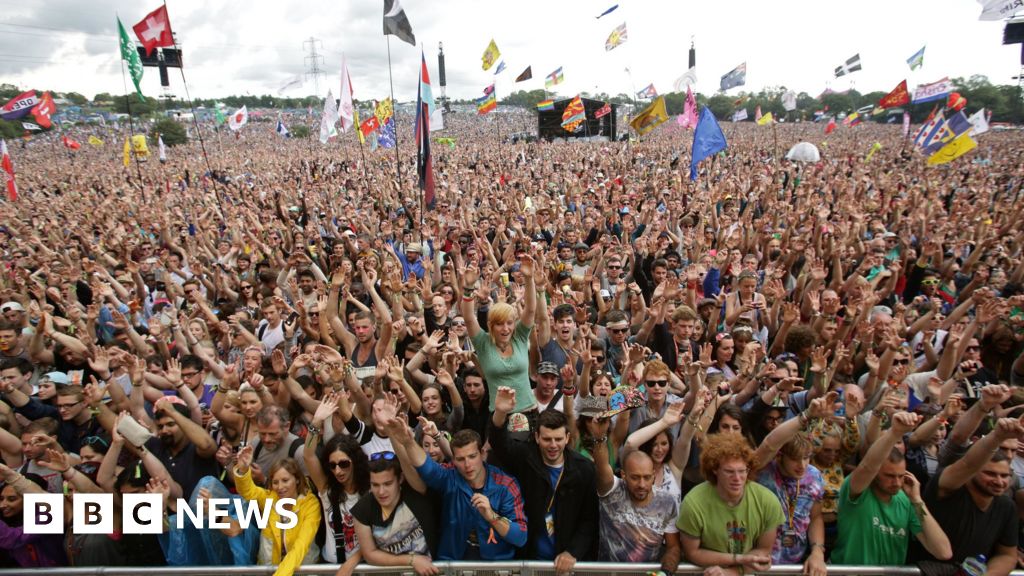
359, 130
154, 31
345, 108
917, 60
979, 125
94, 141
292, 82
906, 124
486, 103
898, 97
384, 110
546, 105
8, 166
427, 92
930, 124
127, 151
765, 120
956, 148
396, 23
218, 116
371, 125
789, 101
931, 92
19, 106
618, 36
708, 139
554, 78
282, 129
329, 118
30, 126
874, 148
831, 126
736, 77
603, 111
574, 115
999, 9
757, 113
491, 55
386, 135
450, 142
647, 93
851, 65
688, 79
239, 118
44, 109
607, 12
936, 136
130, 55
424, 163
500, 68
139, 146
739, 115
488, 90
688, 119
70, 143
161, 148
525, 75
650, 117
853, 119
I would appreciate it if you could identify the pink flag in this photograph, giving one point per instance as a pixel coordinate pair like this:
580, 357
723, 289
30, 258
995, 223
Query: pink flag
688, 119
346, 111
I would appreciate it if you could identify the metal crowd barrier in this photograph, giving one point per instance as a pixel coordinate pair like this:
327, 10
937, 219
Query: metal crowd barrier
511, 568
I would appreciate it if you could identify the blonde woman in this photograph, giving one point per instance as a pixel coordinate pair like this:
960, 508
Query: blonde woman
503, 349
287, 548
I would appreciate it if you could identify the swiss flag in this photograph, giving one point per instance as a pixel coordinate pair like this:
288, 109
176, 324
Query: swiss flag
238, 119
43, 110
154, 31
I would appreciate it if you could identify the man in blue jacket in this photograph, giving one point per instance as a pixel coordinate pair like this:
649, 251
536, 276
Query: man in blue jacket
481, 508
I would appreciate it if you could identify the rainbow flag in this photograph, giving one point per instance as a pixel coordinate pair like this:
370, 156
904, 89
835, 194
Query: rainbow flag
486, 104
546, 105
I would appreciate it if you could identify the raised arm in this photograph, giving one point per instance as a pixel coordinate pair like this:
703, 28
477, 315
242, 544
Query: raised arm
864, 474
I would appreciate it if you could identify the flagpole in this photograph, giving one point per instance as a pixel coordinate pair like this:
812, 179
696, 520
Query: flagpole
394, 112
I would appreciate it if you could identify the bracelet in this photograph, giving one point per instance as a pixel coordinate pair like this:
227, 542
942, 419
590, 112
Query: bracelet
313, 429
412, 558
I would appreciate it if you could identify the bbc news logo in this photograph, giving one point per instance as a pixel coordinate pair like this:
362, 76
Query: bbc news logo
143, 513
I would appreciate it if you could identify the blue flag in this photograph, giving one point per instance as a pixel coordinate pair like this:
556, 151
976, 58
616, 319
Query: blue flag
282, 129
708, 140
607, 12
387, 134
501, 68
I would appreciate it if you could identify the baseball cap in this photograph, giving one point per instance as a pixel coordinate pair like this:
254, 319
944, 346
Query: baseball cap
57, 378
547, 368
593, 406
12, 306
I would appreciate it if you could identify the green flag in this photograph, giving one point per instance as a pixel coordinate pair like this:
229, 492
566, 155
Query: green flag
131, 56
218, 117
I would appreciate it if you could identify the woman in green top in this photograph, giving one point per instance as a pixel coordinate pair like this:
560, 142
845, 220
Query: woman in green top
503, 349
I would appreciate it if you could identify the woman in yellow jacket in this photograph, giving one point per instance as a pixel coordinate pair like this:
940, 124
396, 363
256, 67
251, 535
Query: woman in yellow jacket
287, 548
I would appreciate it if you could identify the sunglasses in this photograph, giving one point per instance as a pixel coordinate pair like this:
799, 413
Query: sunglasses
929, 282
343, 464
618, 330
973, 348
598, 358
96, 440
657, 383
386, 455
902, 362
458, 323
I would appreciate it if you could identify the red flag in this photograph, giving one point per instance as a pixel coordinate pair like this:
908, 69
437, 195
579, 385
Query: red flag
44, 109
898, 97
603, 110
831, 126
12, 186
154, 31
369, 126
70, 143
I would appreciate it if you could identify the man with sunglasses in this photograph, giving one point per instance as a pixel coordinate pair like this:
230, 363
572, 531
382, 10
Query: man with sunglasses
656, 379
557, 483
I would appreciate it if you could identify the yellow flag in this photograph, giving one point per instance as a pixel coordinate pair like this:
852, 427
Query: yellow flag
651, 117
956, 148
362, 139
491, 55
384, 111
127, 151
765, 119
874, 148
95, 141
139, 146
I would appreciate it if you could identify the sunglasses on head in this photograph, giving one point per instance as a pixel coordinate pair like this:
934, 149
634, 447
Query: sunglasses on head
386, 455
96, 440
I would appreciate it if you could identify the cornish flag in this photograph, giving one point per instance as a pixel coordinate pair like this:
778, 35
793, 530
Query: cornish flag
282, 129
238, 119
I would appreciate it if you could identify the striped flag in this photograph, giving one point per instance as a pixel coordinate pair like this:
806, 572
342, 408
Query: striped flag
546, 105
554, 79
486, 104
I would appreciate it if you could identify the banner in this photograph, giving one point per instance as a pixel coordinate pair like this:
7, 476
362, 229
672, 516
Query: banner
19, 105
931, 92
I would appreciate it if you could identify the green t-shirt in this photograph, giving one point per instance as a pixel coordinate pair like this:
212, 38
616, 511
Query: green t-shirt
727, 529
513, 372
872, 532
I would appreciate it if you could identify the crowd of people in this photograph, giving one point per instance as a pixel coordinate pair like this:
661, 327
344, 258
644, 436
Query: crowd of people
576, 354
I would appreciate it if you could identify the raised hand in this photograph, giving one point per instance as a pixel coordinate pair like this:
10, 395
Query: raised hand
505, 401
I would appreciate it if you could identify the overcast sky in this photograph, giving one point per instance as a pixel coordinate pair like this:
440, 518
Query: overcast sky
254, 46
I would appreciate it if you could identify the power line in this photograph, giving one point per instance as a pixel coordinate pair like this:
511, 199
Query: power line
313, 62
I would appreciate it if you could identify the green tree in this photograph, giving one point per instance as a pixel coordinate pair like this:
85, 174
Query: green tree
172, 131
721, 105
76, 98
122, 104
524, 99
299, 131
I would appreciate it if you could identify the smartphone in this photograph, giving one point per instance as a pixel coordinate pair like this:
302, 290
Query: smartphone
841, 411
